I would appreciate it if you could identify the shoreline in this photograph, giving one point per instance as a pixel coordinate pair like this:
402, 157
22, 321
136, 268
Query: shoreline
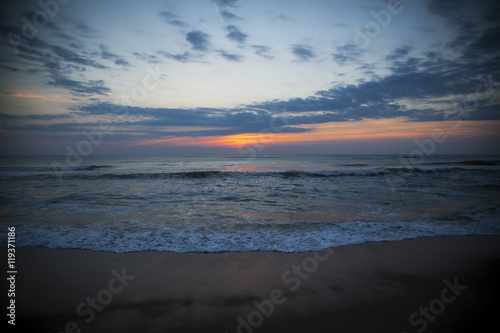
374, 286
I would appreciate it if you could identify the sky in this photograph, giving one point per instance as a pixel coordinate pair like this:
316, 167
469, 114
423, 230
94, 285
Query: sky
250, 77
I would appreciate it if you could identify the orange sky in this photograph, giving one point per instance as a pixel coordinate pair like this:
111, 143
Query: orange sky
360, 130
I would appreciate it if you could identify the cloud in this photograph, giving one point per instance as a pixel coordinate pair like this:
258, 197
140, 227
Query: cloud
458, 15
62, 62
105, 54
432, 55
488, 42
118, 60
121, 62
181, 57
79, 87
227, 15
150, 58
226, 3
231, 57
346, 53
399, 52
199, 40
427, 78
222, 6
81, 29
35, 116
235, 34
48, 24
492, 14
412, 79
410, 65
446, 8
211, 121
262, 51
171, 18
281, 18
13, 69
303, 52
455, 12
70, 56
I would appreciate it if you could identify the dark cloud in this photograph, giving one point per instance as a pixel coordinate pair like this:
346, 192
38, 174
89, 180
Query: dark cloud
345, 53
456, 11
105, 54
414, 78
465, 34
488, 42
30, 15
262, 51
60, 68
4, 116
167, 16
81, 29
235, 34
227, 3
410, 65
225, 122
468, 28
493, 13
303, 52
36, 53
13, 69
445, 8
231, 57
223, 5
181, 57
227, 15
70, 56
399, 52
172, 19
432, 55
199, 40
118, 60
79, 87
150, 58
121, 62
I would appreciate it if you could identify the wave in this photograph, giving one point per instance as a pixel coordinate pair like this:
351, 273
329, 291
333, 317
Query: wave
53, 168
467, 162
223, 174
355, 165
207, 174
130, 236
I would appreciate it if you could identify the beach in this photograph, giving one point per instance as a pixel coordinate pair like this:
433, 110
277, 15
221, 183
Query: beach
370, 287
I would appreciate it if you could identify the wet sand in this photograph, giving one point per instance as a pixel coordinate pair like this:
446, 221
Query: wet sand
437, 284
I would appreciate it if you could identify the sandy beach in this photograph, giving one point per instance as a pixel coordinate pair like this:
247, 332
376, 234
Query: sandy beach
438, 284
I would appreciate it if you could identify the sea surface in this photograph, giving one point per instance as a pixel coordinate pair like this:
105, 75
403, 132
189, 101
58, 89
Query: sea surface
239, 203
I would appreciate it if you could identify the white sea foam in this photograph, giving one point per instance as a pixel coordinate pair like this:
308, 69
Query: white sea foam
294, 237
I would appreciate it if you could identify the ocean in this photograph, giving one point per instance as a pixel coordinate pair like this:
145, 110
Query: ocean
286, 203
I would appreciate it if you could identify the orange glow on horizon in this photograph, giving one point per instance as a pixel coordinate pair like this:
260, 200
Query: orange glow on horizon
24, 94
359, 130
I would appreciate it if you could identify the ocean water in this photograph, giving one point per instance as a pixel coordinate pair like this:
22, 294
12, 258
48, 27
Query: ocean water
238, 203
